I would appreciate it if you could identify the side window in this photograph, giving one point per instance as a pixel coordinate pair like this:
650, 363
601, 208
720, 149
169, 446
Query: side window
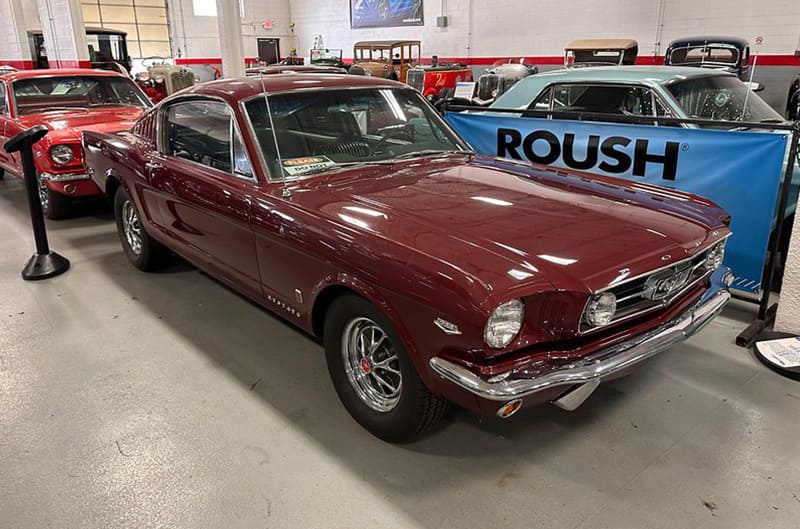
3, 100
241, 163
621, 100
543, 101
200, 131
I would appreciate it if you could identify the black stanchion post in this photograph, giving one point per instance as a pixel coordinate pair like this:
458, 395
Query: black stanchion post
44, 263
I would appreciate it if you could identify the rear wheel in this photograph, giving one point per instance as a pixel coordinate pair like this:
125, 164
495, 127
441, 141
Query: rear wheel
142, 251
373, 374
54, 205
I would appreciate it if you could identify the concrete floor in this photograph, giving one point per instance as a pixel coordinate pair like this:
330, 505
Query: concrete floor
132, 400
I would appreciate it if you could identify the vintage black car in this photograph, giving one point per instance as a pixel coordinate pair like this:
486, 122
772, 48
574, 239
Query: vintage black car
731, 54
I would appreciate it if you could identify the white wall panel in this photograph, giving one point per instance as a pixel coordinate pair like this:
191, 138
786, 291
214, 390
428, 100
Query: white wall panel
489, 28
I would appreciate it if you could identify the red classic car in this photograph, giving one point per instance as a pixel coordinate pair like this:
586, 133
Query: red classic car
347, 206
67, 102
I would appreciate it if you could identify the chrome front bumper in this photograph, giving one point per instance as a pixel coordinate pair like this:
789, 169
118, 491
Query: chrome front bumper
65, 177
509, 386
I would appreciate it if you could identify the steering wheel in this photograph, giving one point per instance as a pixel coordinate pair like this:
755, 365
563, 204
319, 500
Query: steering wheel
404, 131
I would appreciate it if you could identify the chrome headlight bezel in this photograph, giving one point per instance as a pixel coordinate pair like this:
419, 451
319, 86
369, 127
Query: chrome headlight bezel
61, 154
504, 324
600, 309
715, 256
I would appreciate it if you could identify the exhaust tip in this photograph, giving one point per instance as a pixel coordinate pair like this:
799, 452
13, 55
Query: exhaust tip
509, 408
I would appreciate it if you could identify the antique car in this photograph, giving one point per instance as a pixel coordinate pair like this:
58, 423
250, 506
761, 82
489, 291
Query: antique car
108, 49
731, 54
347, 206
389, 59
793, 101
66, 102
600, 52
500, 77
437, 79
163, 78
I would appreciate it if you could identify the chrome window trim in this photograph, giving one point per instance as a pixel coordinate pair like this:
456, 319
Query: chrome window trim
244, 101
189, 98
721, 45
664, 302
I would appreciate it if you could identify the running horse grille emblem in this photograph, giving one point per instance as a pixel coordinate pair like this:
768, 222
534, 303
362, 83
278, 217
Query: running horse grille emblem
666, 283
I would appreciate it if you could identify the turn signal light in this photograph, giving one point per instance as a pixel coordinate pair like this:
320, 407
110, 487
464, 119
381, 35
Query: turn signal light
509, 408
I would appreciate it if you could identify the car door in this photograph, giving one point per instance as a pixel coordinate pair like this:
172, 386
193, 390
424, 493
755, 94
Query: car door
202, 187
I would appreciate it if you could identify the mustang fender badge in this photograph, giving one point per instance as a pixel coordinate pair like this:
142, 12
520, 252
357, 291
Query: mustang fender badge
446, 326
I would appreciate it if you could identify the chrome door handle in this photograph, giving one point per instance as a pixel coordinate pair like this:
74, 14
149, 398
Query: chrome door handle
153, 166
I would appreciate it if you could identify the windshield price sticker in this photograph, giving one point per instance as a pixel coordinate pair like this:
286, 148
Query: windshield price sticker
306, 164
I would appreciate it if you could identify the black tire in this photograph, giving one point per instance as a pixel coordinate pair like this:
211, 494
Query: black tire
151, 254
416, 409
55, 206
793, 103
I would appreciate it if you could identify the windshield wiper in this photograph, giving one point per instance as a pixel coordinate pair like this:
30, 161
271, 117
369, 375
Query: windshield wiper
62, 109
427, 152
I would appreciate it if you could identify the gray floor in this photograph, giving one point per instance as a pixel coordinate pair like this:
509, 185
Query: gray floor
130, 400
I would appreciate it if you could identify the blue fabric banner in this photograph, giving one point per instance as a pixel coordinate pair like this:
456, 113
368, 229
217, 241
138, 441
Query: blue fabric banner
740, 171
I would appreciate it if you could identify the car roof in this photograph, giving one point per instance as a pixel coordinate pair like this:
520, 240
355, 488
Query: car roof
244, 87
67, 72
521, 94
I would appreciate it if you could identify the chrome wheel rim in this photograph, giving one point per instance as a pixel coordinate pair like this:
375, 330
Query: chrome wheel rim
371, 364
43, 195
131, 227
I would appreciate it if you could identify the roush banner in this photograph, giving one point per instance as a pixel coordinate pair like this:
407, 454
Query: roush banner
741, 171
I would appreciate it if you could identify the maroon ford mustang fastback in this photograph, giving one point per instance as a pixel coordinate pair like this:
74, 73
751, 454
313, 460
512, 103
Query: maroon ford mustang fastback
431, 274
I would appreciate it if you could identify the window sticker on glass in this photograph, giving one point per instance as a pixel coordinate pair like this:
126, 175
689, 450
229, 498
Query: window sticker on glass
306, 164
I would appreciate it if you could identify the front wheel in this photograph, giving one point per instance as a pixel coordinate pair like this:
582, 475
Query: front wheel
373, 374
54, 205
142, 251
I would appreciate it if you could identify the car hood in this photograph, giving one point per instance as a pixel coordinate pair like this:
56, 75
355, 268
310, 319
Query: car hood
507, 224
69, 125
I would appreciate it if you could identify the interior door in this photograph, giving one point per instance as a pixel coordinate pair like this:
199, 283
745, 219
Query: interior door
269, 50
203, 188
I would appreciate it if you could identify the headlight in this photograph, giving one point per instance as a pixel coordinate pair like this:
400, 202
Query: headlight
601, 309
61, 154
715, 257
504, 324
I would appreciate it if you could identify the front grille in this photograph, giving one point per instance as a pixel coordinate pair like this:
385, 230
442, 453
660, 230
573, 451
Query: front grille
416, 78
657, 289
487, 86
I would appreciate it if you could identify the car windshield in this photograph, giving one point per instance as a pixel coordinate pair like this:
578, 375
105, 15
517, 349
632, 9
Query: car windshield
721, 98
329, 129
43, 94
699, 55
